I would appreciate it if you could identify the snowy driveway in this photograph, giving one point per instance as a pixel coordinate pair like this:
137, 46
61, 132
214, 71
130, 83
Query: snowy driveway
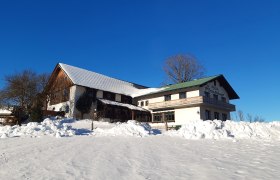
155, 157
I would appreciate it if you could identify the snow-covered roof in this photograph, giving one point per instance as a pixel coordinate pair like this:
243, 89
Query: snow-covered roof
5, 112
130, 106
95, 80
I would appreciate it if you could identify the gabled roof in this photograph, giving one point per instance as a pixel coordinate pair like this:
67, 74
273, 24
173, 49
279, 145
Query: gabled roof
200, 82
95, 80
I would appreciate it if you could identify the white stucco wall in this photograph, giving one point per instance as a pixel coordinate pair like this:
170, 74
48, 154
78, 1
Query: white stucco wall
174, 96
183, 115
156, 99
191, 94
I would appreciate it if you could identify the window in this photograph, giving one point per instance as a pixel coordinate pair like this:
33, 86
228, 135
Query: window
109, 96
207, 94
224, 99
157, 117
142, 103
169, 116
216, 97
182, 95
216, 115
207, 115
146, 103
215, 83
126, 99
224, 117
167, 97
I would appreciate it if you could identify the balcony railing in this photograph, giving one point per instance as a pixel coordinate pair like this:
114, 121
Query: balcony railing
194, 101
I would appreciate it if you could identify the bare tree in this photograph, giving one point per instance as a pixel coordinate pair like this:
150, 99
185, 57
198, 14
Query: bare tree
182, 68
240, 115
258, 119
249, 118
22, 89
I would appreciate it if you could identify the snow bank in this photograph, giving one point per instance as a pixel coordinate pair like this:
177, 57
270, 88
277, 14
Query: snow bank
229, 129
191, 130
47, 127
130, 128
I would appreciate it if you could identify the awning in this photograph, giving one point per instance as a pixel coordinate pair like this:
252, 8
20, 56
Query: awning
129, 106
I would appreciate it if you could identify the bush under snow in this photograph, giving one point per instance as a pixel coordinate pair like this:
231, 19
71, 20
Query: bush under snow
217, 129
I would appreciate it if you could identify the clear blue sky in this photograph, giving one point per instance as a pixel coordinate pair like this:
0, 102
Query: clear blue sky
130, 40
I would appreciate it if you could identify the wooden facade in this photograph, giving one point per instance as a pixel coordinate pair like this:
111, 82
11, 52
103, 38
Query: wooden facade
58, 87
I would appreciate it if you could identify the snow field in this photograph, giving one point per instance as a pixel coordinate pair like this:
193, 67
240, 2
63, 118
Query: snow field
156, 157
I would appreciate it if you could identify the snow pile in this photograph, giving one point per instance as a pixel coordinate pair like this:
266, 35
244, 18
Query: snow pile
130, 128
199, 129
257, 130
34, 129
217, 129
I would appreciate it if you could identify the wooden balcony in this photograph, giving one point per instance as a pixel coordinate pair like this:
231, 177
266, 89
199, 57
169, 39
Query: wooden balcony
194, 101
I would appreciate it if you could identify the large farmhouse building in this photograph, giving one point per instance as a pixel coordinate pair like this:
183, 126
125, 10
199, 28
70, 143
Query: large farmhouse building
117, 100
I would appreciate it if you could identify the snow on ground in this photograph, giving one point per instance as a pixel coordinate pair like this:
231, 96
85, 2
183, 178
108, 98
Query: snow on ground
153, 157
115, 151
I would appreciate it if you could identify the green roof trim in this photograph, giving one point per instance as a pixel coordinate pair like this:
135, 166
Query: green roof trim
188, 84
200, 82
